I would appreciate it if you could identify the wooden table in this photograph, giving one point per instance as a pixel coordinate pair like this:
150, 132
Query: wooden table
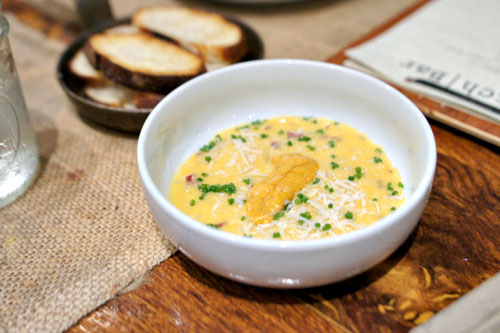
453, 250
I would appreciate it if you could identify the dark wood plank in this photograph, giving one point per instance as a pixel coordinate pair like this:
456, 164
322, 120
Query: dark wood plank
179, 294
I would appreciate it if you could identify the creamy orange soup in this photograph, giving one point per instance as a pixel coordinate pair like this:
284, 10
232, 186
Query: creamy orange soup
288, 178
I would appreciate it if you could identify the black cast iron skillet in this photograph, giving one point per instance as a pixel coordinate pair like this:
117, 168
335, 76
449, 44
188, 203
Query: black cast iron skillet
129, 120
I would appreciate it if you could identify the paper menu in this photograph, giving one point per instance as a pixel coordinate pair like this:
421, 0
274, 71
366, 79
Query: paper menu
448, 50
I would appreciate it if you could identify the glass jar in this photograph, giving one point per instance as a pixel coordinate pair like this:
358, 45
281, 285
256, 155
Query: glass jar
18, 148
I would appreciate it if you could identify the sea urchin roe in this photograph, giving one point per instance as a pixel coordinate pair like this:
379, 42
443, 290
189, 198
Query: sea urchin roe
288, 178
292, 172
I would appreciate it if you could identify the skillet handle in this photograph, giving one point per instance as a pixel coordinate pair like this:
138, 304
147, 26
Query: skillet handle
93, 11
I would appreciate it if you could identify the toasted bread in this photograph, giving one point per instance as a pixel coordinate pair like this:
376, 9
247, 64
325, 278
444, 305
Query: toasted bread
81, 67
141, 61
214, 37
112, 94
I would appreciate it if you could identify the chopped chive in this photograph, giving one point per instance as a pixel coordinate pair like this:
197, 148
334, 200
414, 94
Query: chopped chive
278, 215
213, 225
314, 121
326, 187
226, 188
401, 185
334, 165
326, 227
238, 137
276, 235
317, 225
320, 131
337, 123
201, 197
243, 218
301, 222
289, 143
331, 143
247, 181
244, 201
358, 174
395, 192
311, 148
389, 187
315, 181
298, 201
374, 199
377, 159
306, 215
281, 132
330, 205
208, 146
330, 189
218, 138
204, 174
348, 215
378, 150
230, 201
393, 208
192, 202
208, 158
199, 179
304, 138
263, 136
257, 122
333, 156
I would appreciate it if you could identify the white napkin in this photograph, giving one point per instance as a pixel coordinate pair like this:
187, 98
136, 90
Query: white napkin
448, 50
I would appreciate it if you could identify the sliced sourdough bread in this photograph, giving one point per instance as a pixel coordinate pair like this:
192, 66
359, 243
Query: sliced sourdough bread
214, 37
112, 94
141, 61
81, 67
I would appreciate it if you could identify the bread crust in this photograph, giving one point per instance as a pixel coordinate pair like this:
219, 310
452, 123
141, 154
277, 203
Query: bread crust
209, 51
143, 79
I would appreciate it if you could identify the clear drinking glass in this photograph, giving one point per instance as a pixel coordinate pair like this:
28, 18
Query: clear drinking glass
18, 148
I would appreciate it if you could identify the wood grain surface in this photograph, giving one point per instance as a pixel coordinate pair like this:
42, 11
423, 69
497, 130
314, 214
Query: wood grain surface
454, 249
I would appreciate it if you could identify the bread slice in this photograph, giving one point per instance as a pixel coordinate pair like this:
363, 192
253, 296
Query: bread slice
81, 67
214, 37
141, 61
112, 94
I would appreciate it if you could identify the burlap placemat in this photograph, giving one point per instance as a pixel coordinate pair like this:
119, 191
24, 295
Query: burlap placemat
83, 232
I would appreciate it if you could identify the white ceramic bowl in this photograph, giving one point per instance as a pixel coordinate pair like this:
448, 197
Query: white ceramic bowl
192, 114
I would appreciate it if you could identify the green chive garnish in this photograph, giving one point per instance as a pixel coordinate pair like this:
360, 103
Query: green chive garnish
348, 215
334, 165
276, 235
377, 159
306, 215
192, 202
315, 181
289, 143
230, 201
247, 181
208, 158
263, 136
331, 143
326, 227
330, 205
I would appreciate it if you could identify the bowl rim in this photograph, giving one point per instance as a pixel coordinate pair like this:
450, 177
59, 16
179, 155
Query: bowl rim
421, 190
